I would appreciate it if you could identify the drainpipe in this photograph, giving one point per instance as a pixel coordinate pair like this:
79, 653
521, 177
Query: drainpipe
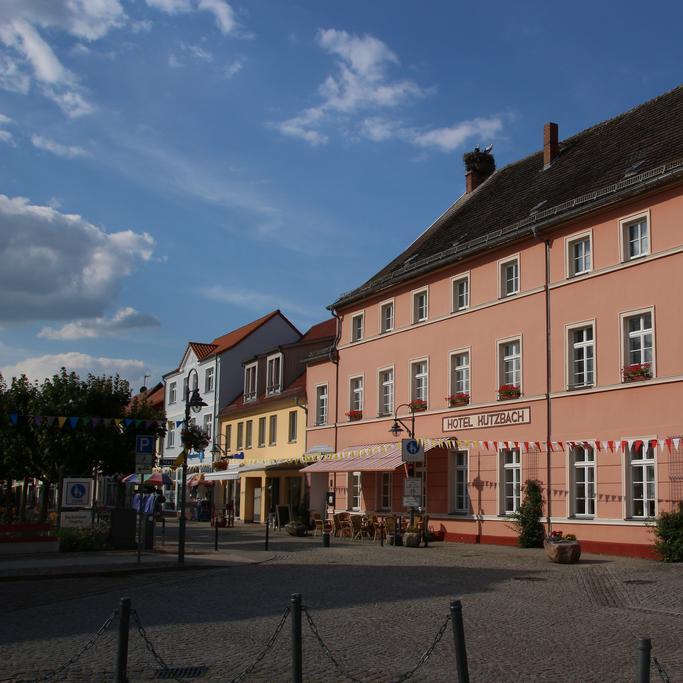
334, 357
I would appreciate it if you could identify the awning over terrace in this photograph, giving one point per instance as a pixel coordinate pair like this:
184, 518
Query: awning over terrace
376, 457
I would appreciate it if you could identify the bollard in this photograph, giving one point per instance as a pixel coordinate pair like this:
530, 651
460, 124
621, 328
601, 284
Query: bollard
267, 527
121, 675
381, 535
215, 533
459, 640
644, 656
297, 646
326, 539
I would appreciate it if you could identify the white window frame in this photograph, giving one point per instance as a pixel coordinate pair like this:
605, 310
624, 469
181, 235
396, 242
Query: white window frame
502, 282
452, 388
209, 380
272, 430
381, 383
274, 385
292, 426
172, 393
228, 437
569, 354
261, 437
357, 394
324, 403
239, 444
207, 425
569, 243
170, 435
454, 485
624, 335
413, 299
249, 434
248, 395
586, 466
361, 335
455, 303
413, 377
642, 463
353, 478
382, 479
500, 364
515, 466
186, 385
624, 243
382, 306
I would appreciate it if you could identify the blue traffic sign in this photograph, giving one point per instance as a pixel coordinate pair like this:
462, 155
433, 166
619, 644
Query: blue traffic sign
144, 444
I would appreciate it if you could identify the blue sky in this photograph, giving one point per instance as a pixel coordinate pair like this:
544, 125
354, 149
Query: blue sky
172, 169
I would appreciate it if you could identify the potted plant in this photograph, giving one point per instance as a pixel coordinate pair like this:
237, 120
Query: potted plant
354, 415
412, 537
418, 405
460, 398
194, 438
508, 391
220, 465
637, 372
562, 548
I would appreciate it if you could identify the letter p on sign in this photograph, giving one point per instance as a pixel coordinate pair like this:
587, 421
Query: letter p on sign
144, 444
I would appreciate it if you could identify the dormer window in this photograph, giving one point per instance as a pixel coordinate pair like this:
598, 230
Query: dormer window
274, 375
250, 382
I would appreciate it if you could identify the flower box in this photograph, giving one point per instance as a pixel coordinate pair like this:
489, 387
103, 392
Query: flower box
637, 372
418, 404
354, 415
459, 399
508, 391
562, 549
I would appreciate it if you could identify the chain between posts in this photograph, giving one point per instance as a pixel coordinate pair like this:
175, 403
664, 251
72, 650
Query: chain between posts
148, 643
427, 653
266, 648
660, 670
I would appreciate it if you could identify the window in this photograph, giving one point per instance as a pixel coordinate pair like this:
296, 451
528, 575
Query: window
250, 382
509, 277
641, 458
228, 438
292, 426
249, 434
581, 355
261, 432
354, 490
357, 325
579, 255
512, 469
274, 375
460, 373
510, 363
240, 435
385, 484
356, 393
172, 393
635, 237
583, 480
420, 306
460, 498
208, 379
419, 384
386, 315
208, 425
638, 344
185, 385
272, 432
386, 391
321, 405
461, 293
170, 435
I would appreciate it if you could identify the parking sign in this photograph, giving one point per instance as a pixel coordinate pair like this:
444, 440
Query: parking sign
144, 444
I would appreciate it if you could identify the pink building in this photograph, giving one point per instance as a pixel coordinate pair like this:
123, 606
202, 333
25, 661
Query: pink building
539, 322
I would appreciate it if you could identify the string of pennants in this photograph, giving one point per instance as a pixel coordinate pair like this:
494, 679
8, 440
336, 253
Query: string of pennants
75, 421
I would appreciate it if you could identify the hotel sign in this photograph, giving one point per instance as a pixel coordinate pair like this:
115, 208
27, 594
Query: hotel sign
498, 418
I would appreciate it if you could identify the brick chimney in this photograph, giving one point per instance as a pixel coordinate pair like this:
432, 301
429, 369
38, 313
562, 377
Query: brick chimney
478, 167
551, 146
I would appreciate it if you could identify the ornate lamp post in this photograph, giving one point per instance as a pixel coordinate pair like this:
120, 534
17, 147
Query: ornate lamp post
194, 402
395, 428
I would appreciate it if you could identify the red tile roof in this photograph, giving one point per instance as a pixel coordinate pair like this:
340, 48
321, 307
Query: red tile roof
327, 328
227, 341
202, 350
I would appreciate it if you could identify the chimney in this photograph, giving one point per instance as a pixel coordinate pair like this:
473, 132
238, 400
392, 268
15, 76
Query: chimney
478, 167
551, 147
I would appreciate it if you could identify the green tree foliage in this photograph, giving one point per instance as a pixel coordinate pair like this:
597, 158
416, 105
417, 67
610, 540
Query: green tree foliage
527, 520
669, 532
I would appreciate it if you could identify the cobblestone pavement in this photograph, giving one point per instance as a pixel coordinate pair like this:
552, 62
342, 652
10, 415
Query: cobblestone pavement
378, 609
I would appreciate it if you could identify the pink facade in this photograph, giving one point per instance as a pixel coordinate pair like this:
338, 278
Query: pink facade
607, 306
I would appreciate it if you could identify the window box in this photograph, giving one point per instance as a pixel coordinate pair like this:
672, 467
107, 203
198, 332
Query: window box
459, 399
418, 405
637, 372
354, 415
508, 391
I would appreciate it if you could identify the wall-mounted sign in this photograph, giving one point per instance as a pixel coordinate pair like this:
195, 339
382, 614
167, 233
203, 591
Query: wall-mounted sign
81, 519
77, 493
498, 418
411, 450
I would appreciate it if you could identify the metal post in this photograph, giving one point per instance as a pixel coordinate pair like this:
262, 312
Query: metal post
425, 529
121, 675
267, 528
297, 646
140, 521
644, 656
459, 640
396, 531
381, 535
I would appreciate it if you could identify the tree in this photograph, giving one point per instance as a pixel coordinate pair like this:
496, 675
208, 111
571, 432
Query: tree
527, 520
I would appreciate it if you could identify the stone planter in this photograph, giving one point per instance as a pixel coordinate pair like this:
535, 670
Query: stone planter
296, 529
412, 540
562, 552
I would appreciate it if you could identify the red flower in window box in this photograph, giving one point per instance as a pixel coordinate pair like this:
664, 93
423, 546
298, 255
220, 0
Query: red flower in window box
461, 398
508, 391
355, 415
220, 465
418, 404
637, 372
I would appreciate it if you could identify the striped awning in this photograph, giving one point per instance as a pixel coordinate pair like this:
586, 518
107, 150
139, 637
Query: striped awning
378, 457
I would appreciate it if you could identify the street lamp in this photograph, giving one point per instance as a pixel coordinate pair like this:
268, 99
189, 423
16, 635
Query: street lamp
192, 402
395, 428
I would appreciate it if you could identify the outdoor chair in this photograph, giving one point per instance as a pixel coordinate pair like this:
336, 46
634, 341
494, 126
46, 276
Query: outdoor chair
346, 527
319, 525
357, 527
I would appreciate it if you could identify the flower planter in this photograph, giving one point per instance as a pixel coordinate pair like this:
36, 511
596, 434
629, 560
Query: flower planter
354, 415
418, 406
636, 378
456, 404
412, 539
296, 529
562, 552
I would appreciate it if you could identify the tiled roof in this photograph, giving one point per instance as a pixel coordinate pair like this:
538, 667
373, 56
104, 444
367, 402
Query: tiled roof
295, 388
323, 330
202, 350
610, 159
227, 341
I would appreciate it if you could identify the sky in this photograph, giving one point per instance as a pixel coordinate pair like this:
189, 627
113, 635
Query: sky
173, 169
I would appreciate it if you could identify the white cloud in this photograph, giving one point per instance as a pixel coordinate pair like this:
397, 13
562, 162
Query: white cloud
361, 82
56, 266
5, 120
173, 61
221, 10
253, 300
233, 68
66, 151
124, 319
197, 51
6, 137
42, 367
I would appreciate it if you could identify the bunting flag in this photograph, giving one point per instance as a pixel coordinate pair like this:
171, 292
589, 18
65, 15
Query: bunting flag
61, 421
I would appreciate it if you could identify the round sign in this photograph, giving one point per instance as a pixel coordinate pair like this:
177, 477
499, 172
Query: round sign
77, 491
413, 447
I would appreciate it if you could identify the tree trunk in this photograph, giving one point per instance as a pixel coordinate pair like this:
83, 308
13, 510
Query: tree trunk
23, 500
44, 501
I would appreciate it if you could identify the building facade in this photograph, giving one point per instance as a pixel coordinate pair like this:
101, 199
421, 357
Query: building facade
535, 327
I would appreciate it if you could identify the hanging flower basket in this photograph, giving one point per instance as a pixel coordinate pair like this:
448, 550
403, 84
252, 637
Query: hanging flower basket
418, 405
637, 372
194, 438
220, 465
508, 391
354, 415
460, 399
